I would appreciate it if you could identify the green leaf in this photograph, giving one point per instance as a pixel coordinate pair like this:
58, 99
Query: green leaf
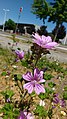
44, 96
51, 84
40, 111
7, 93
10, 93
65, 88
33, 94
4, 73
65, 95
49, 91
47, 76
24, 63
9, 111
19, 77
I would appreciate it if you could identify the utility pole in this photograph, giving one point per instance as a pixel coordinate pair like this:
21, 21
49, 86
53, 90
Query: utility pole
21, 8
5, 10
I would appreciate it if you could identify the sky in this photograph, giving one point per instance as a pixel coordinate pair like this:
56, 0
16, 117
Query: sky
26, 15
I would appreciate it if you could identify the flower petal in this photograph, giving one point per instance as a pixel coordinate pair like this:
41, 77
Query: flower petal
38, 74
42, 81
30, 116
62, 103
29, 87
17, 52
48, 39
37, 42
36, 36
44, 42
50, 45
39, 88
28, 76
22, 115
56, 100
41, 74
21, 55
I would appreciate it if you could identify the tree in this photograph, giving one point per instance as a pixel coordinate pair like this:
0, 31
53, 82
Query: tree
55, 11
41, 9
42, 30
60, 34
58, 14
10, 24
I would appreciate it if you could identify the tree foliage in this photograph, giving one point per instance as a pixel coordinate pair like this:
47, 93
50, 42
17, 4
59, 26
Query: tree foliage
56, 11
42, 30
41, 9
10, 24
61, 32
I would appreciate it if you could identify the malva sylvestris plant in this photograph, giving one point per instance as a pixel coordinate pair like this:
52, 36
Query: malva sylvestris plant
25, 115
34, 81
44, 42
57, 101
41, 46
20, 54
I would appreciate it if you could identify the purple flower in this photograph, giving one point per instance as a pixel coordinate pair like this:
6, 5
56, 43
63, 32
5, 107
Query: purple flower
20, 54
25, 115
62, 103
22, 116
34, 82
44, 42
8, 100
30, 116
56, 95
58, 101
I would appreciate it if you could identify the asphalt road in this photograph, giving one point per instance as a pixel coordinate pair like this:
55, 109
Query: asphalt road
59, 54
7, 43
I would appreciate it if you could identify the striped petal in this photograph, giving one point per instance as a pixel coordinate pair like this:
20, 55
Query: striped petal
39, 89
28, 76
29, 87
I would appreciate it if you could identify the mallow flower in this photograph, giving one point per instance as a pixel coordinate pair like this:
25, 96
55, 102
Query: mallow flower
43, 41
58, 101
34, 81
25, 115
20, 54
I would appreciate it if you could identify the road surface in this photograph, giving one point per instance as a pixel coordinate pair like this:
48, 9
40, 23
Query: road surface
59, 54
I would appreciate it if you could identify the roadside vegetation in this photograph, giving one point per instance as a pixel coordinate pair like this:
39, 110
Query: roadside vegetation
16, 100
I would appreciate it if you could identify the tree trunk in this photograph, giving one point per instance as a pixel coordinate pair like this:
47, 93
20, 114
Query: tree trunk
57, 26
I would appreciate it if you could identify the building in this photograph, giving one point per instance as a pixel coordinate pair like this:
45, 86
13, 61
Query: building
22, 28
25, 28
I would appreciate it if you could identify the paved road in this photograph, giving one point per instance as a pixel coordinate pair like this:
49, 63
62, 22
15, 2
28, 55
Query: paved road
10, 35
4, 42
59, 54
